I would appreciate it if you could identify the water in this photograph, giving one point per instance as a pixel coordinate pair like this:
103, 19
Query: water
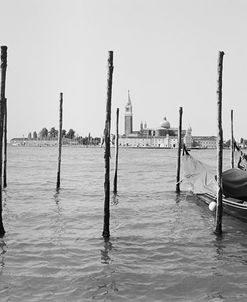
162, 246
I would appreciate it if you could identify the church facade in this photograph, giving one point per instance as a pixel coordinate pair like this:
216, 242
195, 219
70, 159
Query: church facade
162, 136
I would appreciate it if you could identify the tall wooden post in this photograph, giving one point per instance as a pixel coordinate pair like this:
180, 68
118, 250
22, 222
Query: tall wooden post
60, 140
2, 101
116, 153
5, 146
179, 149
232, 141
107, 133
219, 207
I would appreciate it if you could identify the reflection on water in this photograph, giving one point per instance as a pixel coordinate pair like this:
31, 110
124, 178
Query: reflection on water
181, 197
105, 258
58, 221
4, 196
3, 250
115, 200
219, 245
104, 285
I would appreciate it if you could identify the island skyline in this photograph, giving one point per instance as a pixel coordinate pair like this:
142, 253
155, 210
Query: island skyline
164, 53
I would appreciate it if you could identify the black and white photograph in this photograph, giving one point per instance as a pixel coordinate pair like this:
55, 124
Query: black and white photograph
123, 150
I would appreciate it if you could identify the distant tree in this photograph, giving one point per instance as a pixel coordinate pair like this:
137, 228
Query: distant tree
241, 140
70, 134
35, 136
53, 133
29, 137
43, 133
64, 133
79, 140
85, 140
96, 141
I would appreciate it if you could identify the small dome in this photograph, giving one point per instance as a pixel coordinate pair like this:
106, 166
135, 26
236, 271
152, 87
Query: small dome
165, 124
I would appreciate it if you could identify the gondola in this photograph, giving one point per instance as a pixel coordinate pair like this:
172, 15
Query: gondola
204, 184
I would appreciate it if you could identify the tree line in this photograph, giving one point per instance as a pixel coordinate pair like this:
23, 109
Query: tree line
52, 134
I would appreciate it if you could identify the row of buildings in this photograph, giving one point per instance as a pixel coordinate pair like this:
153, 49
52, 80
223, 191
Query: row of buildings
162, 136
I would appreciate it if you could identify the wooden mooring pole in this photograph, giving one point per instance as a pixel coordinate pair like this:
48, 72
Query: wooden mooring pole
232, 141
2, 111
219, 207
60, 138
179, 149
107, 133
116, 154
5, 146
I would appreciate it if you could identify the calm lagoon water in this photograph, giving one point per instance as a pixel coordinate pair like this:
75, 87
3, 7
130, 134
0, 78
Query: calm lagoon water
162, 245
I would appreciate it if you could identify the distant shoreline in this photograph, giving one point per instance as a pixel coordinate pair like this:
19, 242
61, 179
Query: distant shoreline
55, 144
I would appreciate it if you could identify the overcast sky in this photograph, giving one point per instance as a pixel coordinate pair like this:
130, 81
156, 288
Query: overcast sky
165, 53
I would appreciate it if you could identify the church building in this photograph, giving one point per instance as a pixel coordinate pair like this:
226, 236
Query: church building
162, 136
128, 117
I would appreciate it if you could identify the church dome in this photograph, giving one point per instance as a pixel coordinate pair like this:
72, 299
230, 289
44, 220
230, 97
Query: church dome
165, 124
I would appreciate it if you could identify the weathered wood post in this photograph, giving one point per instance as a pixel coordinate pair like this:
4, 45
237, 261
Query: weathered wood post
179, 149
219, 207
107, 133
2, 101
60, 138
116, 154
232, 141
5, 146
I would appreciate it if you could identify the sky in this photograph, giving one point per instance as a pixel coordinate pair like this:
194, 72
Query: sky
165, 53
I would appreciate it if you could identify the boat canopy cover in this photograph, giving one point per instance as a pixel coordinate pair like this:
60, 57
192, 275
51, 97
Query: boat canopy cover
199, 176
202, 179
235, 183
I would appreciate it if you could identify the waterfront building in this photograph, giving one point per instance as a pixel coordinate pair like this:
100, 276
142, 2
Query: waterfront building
163, 136
209, 142
188, 141
204, 142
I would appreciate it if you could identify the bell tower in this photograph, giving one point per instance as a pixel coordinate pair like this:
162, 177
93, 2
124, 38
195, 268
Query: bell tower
128, 117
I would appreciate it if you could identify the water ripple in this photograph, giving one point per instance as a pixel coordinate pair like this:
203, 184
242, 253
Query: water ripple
162, 245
